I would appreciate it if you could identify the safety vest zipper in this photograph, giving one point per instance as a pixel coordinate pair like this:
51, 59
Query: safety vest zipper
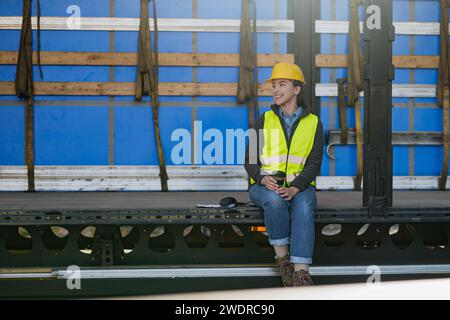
288, 143
285, 170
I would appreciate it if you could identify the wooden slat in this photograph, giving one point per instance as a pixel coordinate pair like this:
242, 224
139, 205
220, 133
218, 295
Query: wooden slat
331, 61
190, 89
130, 59
407, 62
416, 62
127, 89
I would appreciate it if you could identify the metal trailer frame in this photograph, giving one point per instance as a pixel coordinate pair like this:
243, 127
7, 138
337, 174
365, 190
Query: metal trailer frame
224, 247
183, 249
378, 76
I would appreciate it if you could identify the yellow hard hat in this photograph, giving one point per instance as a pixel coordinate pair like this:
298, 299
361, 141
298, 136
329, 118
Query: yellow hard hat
283, 70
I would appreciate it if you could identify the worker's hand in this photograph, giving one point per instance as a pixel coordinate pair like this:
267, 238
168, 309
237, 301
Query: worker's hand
287, 193
270, 183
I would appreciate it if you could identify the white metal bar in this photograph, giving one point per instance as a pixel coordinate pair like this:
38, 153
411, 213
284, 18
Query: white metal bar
204, 25
145, 178
132, 24
401, 28
258, 272
398, 90
203, 272
9, 276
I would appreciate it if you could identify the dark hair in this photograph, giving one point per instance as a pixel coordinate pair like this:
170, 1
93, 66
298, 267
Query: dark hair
300, 98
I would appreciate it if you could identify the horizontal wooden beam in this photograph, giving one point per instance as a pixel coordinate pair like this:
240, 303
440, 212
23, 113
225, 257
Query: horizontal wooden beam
130, 59
193, 89
128, 89
406, 62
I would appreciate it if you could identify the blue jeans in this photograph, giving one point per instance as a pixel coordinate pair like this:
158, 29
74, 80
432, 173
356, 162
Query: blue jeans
289, 222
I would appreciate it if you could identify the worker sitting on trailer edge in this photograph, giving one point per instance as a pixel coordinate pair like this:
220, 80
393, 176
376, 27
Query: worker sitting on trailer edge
283, 179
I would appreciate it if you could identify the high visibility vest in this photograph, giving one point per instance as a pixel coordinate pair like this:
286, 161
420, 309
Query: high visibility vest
276, 156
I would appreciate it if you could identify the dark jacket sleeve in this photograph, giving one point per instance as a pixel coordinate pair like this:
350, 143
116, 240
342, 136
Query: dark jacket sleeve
313, 163
254, 169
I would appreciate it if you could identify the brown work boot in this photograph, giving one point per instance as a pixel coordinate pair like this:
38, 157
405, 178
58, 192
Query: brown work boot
302, 278
286, 270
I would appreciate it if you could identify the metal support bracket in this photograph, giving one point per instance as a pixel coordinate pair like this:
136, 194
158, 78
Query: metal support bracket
378, 74
107, 249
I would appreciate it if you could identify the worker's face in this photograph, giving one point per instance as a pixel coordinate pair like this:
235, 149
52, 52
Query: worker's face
284, 91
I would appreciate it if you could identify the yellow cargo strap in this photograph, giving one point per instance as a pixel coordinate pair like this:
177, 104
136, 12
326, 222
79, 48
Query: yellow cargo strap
344, 129
342, 110
24, 82
443, 89
446, 140
248, 71
254, 100
355, 75
147, 79
359, 146
355, 85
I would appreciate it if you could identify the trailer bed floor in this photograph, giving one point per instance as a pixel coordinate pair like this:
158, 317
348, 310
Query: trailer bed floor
188, 200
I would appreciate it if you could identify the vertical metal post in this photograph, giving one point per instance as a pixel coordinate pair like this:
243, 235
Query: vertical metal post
379, 34
304, 44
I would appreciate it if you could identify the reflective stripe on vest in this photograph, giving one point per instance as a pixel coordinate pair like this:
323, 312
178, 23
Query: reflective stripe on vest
276, 156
